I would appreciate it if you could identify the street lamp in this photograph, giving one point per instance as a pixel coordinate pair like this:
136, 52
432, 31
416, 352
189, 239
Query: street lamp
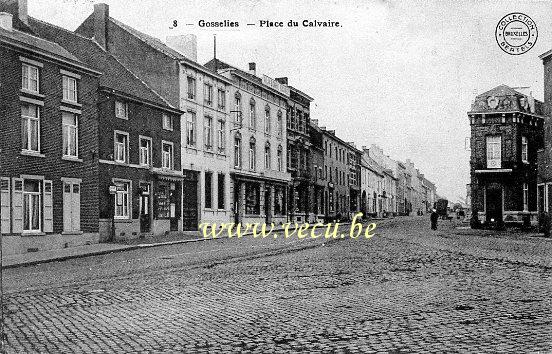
113, 192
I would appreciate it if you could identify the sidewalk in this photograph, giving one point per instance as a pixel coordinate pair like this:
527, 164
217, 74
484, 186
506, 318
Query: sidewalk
32, 258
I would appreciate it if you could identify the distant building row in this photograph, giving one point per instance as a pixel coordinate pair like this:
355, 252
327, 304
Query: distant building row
109, 134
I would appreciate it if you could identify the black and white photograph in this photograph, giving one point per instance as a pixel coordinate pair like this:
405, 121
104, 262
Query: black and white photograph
256, 176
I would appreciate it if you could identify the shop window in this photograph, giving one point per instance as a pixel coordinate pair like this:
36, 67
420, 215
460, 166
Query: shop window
252, 198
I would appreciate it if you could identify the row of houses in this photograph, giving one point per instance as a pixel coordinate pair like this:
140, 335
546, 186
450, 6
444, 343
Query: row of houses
109, 134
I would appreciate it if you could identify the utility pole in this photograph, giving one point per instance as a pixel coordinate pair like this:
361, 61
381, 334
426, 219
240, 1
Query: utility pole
2, 344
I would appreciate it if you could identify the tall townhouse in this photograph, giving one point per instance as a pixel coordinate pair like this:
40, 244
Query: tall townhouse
400, 172
48, 141
388, 165
259, 176
138, 145
544, 177
317, 177
299, 162
336, 173
202, 96
372, 184
416, 187
353, 178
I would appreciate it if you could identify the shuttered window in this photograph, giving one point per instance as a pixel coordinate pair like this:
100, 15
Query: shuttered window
71, 206
5, 205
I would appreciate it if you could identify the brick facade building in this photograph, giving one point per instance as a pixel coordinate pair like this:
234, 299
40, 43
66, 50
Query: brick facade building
48, 136
506, 133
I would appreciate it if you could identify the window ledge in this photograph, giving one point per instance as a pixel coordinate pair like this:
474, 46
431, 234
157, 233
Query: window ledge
123, 220
32, 153
33, 233
72, 233
72, 103
71, 158
33, 93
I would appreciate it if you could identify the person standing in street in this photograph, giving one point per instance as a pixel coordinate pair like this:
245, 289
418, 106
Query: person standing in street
434, 217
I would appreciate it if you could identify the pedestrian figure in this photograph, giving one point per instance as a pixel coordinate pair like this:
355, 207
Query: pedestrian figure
434, 217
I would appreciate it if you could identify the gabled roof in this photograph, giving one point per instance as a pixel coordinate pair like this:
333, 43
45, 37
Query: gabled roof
115, 75
37, 43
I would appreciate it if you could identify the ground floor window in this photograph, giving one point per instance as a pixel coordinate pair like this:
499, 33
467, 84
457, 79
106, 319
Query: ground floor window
208, 190
279, 200
252, 198
122, 200
31, 205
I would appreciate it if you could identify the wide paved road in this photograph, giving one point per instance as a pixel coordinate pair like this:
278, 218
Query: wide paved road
405, 290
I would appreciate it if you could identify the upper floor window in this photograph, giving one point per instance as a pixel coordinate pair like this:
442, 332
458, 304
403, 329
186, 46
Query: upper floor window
252, 154
30, 78
208, 132
237, 151
268, 157
145, 151
168, 122
221, 136
191, 88
494, 151
252, 114
208, 94
237, 108
524, 149
280, 159
70, 134
121, 110
30, 117
167, 155
69, 89
267, 121
121, 147
191, 128
221, 99
280, 124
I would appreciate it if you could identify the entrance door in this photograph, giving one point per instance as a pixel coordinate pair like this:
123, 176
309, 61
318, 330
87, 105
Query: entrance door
145, 208
493, 204
189, 202
267, 205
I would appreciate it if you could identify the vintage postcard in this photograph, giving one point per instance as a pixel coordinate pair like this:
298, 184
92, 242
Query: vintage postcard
255, 176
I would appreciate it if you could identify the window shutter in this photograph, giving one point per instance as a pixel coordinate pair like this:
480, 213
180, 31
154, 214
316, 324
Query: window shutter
17, 205
48, 207
5, 205
75, 210
67, 205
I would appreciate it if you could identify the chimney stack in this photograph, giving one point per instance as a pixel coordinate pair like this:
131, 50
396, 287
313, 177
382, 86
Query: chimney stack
282, 80
101, 19
184, 44
18, 10
253, 69
6, 21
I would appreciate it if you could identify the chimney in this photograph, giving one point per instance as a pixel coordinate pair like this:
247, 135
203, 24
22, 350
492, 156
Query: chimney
185, 45
6, 21
253, 69
18, 9
282, 80
101, 19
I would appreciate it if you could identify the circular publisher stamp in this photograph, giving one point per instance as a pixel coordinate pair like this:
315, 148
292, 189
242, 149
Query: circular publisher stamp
516, 33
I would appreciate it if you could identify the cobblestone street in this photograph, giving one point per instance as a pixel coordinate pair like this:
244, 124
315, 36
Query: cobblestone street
405, 290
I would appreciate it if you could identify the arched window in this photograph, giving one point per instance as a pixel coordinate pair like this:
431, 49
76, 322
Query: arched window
252, 154
267, 120
280, 158
238, 108
268, 157
237, 150
252, 114
280, 124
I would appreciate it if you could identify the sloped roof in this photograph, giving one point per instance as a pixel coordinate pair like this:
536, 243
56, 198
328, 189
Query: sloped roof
501, 90
38, 43
115, 75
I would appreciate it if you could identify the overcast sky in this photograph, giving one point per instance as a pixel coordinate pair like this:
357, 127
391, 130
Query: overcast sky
400, 74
